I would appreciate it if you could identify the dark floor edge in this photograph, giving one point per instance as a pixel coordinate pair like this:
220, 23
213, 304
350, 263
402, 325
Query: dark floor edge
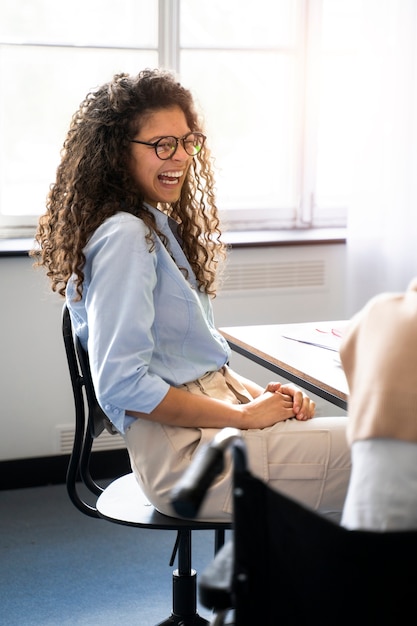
51, 470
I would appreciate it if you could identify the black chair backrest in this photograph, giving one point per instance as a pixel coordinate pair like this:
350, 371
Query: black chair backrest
88, 425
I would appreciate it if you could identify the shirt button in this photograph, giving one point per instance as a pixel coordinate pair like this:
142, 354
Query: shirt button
107, 407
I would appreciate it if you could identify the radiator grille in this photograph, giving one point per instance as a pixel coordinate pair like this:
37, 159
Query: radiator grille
277, 275
106, 441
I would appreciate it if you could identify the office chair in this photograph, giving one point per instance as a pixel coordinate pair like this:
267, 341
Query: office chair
289, 565
122, 501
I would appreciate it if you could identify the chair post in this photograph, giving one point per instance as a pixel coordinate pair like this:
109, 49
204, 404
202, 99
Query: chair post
184, 589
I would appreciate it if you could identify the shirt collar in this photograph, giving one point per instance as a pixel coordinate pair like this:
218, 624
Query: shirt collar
168, 227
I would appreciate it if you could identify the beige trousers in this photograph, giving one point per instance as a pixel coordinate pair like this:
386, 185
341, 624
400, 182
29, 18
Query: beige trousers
309, 461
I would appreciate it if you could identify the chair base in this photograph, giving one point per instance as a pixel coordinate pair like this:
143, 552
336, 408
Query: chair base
184, 612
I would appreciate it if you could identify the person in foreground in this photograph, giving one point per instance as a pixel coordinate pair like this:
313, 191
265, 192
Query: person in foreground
379, 353
131, 237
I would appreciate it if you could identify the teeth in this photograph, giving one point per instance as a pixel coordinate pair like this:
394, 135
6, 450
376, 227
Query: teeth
172, 174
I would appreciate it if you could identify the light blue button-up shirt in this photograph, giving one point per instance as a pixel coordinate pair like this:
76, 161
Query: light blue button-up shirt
144, 324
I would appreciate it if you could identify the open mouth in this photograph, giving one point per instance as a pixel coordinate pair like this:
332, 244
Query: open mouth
170, 178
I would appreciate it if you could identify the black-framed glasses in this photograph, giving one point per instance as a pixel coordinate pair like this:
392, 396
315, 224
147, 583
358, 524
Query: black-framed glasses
166, 147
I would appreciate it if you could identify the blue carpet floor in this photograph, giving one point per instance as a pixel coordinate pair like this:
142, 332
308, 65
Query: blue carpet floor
61, 568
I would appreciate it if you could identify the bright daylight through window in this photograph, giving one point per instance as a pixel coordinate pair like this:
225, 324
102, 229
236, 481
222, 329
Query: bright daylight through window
273, 79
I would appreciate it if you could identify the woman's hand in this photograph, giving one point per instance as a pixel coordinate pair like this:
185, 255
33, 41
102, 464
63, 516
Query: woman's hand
304, 408
277, 403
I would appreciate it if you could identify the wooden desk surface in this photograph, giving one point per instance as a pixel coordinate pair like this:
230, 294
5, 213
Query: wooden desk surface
314, 368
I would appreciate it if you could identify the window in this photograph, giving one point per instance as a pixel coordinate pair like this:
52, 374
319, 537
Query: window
272, 77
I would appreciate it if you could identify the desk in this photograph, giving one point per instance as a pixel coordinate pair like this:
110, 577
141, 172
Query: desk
313, 368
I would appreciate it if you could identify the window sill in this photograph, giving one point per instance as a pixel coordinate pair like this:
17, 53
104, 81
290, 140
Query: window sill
15, 247
235, 239
290, 237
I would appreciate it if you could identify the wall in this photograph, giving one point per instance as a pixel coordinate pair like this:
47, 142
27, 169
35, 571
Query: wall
264, 285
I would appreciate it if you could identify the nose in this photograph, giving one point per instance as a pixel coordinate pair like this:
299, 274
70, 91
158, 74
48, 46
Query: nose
180, 153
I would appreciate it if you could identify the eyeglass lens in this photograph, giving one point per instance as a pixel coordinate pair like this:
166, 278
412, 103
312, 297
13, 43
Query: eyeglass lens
167, 146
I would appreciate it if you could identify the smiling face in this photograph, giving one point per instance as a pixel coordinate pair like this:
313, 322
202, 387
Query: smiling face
160, 181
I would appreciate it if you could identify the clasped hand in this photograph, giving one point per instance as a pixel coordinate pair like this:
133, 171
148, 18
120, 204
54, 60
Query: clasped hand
277, 403
302, 406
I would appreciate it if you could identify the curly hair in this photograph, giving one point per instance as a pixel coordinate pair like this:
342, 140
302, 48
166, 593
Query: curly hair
93, 181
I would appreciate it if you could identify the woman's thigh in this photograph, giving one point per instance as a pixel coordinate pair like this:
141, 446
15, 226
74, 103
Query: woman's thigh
308, 461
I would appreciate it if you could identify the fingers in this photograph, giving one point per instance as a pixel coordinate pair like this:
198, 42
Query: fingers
273, 387
307, 409
302, 406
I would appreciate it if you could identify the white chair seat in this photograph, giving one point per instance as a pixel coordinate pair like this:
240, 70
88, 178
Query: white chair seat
124, 500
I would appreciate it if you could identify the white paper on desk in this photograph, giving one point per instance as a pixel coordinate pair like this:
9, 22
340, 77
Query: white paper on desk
328, 337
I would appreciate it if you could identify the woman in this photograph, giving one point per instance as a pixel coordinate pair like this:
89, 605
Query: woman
131, 238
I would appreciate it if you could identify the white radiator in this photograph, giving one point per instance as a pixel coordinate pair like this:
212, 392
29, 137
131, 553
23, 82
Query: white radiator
106, 441
275, 275
282, 285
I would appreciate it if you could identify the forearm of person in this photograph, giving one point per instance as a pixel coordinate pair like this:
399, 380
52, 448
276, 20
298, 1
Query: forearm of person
181, 408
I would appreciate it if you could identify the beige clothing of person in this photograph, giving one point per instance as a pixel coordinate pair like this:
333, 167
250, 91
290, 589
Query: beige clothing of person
307, 460
379, 356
